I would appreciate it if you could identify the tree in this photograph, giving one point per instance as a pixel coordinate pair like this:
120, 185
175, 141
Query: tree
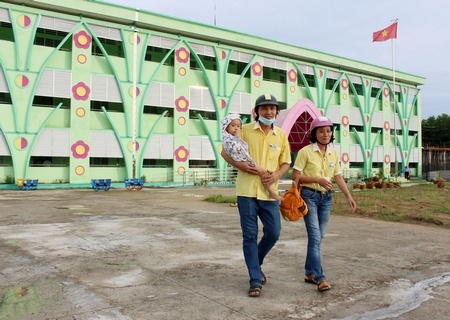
436, 131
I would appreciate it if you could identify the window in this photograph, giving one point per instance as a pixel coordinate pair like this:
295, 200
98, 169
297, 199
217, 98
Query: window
6, 32
5, 161
5, 98
52, 38
158, 163
206, 115
112, 48
202, 163
309, 81
49, 161
208, 62
237, 67
158, 110
51, 102
275, 75
109, 106
329, 84
156, 54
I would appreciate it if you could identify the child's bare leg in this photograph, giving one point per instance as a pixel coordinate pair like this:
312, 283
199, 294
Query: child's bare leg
272, 193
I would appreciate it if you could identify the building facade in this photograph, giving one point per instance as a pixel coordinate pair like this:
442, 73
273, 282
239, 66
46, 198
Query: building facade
92, 90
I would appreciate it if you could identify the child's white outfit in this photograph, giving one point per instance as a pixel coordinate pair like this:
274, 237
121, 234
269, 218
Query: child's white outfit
234, 146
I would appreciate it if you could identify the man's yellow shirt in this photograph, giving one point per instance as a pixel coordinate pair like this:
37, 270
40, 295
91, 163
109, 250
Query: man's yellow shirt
268, 151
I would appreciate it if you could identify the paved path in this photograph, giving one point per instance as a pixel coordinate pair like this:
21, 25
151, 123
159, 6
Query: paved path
167, 254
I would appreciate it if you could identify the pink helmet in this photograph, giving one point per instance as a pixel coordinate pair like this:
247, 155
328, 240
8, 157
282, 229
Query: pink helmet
320, 122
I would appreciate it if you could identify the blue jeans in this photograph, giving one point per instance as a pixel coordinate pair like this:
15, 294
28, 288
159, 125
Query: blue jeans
316, 221
254, 253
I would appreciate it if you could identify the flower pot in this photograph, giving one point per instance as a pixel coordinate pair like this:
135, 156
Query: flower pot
369, 185
441, 184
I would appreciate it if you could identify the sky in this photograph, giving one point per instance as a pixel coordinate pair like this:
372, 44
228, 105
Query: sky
342, 28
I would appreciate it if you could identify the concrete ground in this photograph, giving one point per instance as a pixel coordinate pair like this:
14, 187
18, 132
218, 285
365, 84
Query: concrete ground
164, 253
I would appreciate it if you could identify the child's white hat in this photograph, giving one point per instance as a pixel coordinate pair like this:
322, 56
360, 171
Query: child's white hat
227, 120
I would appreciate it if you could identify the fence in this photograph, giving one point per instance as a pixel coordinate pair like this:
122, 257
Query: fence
194, 177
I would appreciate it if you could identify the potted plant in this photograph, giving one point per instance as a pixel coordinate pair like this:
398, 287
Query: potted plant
369, 183
439, 181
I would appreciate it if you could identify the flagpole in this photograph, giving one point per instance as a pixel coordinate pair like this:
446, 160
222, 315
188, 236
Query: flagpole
395, 110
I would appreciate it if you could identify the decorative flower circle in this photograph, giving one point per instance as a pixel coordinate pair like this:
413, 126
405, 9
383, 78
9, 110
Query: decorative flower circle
130, 146
387, 159
22, 81
80, 112
345, 133
81, 58
257, 83
79, 170
345, 158
368, 154
181, 121
82, 40
387, 126
257, 69
292, 89
20, 143
131, 91
131, 38
182, 71
181, 170
222, 103
406, 154
81, 91
386, 92
405, 122
24, 21
292, 75
367, 118
344, 84
344, 96
182, 55
182, 104
320, 73
367, 83
223, 54
386, 136
80, 149
181, 154
345, 121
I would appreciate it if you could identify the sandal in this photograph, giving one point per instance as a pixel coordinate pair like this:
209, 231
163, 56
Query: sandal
254, 291
310, 279
322, 285
263, 278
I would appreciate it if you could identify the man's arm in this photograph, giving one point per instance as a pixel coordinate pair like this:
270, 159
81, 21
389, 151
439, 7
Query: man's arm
241, 165
272, 177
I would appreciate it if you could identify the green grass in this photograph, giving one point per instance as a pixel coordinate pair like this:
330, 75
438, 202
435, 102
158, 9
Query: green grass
421, 203
218, 198
418, 203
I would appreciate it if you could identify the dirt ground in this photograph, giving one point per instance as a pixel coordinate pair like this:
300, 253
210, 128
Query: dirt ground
165, 253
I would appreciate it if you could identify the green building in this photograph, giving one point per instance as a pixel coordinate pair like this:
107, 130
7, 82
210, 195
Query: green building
92, 90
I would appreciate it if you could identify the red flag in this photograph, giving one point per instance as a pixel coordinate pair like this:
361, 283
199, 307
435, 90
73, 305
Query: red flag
386, 34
